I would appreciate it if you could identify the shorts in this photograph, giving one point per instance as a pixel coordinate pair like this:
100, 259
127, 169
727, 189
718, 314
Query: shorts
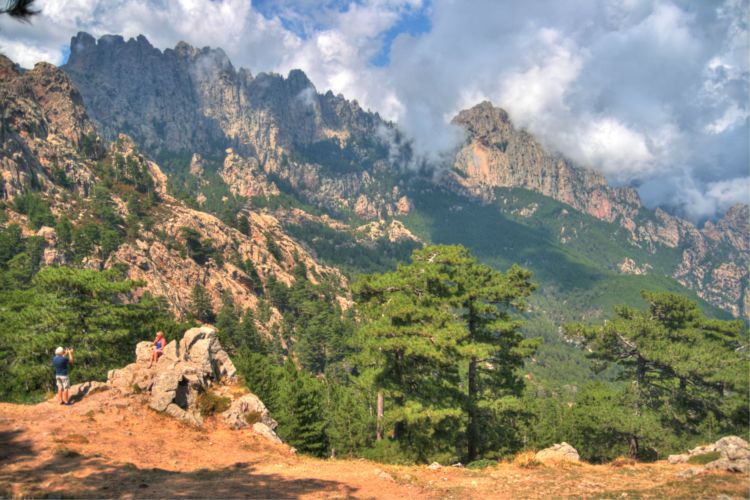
63, 382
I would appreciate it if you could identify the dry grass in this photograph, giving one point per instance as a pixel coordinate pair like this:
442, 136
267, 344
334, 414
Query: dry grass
526, 460
622, 462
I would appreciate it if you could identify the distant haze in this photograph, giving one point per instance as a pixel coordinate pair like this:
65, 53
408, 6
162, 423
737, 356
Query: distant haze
650, 93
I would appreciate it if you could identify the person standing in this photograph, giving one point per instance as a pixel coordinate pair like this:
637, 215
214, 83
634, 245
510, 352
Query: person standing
62, 362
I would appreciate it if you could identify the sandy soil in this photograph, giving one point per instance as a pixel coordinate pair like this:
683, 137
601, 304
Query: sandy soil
111, 447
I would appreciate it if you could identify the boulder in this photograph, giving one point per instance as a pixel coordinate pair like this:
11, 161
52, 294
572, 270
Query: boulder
188, 417
143, 351
734, 456
725, 464
266, 432
223, 366
733, 448
185, 370
678, 459
192, 336
561, 452
248, 410
171, 352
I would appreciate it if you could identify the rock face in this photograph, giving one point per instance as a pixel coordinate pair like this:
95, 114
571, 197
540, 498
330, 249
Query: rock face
44, 127
498, 155
734, 456
187, 369
714, 260
561, 452
210, 106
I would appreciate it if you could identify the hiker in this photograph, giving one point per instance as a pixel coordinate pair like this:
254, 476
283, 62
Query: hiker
62, 361
159, 343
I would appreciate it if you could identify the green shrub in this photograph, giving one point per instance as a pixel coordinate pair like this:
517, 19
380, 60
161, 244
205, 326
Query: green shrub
704, 458
252, 417
210, 403
481, 464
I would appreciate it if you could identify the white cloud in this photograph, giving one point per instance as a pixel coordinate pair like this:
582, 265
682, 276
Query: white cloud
647, 91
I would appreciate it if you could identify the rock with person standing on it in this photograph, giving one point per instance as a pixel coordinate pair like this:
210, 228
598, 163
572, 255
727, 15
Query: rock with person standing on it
193, 367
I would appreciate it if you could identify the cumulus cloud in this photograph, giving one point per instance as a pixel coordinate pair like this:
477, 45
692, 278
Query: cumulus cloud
649, 92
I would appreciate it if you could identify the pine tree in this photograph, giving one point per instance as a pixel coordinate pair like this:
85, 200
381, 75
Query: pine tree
444, 347
408, 340
201, 307
679, 364
494, 348
301, 412
81, 308
228, 324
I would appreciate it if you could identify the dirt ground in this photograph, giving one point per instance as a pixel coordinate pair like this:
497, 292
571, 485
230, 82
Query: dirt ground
111, 447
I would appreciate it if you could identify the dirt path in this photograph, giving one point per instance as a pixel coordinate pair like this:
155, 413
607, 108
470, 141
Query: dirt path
110, 447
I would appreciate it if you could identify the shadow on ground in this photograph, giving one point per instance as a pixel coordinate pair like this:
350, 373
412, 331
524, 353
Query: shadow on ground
70, 475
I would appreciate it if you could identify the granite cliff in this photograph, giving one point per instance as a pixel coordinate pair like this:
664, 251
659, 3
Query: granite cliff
52, 149
714, 260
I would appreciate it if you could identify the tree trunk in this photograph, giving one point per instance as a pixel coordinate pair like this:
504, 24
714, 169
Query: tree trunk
633, 452
379, 426
640, 377
471, 429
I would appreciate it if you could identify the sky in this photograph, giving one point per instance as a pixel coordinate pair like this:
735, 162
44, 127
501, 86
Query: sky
651, 93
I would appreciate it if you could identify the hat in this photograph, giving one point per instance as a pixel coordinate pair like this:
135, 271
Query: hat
59, 350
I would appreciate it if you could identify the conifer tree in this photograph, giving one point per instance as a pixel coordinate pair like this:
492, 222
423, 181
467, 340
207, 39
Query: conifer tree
494, 349
201, 307
301, 412
678, 363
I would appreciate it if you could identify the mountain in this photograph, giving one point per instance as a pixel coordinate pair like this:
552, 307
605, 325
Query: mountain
119, 209
275, 142
713, 261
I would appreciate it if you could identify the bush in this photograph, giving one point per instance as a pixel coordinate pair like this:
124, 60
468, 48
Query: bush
210, 403
704, 458
481, 464
252, 417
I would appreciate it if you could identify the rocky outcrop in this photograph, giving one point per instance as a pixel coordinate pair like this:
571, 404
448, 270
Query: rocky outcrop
190, 99
732, 454
187, 369
44, 128
393, 231
714, 260
498, 155
561, 452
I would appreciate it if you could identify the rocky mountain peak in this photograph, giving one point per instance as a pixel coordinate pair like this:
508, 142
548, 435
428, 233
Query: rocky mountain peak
483, 119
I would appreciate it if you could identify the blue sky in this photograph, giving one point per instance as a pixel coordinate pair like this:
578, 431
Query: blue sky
651, 93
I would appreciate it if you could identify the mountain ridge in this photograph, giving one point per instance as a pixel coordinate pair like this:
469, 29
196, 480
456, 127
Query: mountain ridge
328, 152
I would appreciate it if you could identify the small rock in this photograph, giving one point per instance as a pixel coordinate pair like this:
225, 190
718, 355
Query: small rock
678, 459
692, 471
434, 466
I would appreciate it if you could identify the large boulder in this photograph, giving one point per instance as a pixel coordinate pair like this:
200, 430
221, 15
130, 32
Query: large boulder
734, 455
561, 452
248, 410
186, 369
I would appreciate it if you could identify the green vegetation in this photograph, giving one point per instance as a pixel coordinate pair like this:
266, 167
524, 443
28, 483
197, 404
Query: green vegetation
704, 458
683, 372
211, 403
